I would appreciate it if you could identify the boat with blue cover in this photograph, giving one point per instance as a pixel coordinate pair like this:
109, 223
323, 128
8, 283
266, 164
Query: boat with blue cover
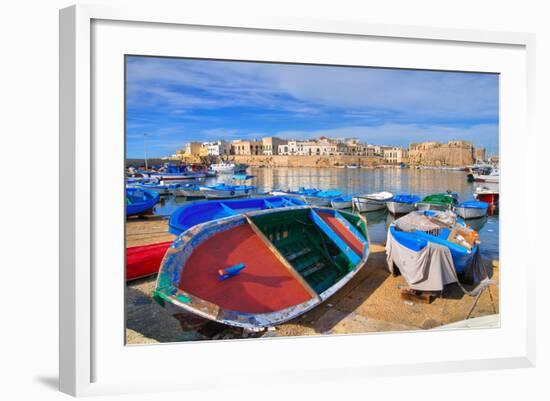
140, 201
262, 268
472, 209
312, 196
341, 202
418, 228
199, 212
402, 203
224, 191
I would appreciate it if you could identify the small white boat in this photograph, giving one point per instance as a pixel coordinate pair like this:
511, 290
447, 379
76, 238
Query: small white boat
352, 166
342, 202
472, 209
371, 202
188, 191
493, 176
402, 204
228, 168
222, 191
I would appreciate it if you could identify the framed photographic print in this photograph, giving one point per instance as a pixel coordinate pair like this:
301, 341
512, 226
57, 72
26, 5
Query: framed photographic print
233, 188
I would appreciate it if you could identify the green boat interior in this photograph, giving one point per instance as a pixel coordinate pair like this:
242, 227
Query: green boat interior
308, 248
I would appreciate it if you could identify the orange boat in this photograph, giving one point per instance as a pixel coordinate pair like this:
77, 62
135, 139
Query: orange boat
262, 268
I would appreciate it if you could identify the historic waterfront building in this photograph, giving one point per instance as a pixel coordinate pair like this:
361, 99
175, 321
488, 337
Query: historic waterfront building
248, 148
271, 145
394, 155
452, 153
218, 148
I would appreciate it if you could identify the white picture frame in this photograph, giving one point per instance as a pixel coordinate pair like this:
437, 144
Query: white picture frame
84, 327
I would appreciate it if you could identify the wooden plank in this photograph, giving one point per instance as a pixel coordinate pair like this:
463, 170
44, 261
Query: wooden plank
423, 297
281, 258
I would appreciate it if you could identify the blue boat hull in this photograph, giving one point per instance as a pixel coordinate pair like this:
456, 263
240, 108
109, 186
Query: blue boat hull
202, 211
140, 201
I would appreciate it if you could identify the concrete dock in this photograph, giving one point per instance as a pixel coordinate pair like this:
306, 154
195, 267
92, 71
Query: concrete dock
370, 302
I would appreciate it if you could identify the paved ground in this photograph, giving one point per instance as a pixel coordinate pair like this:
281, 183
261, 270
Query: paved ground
370, 302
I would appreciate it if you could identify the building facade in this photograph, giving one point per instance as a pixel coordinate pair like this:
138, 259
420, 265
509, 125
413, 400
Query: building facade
271, 145
217, 148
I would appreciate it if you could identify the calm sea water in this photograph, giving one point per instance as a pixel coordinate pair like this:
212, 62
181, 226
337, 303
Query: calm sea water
355, 181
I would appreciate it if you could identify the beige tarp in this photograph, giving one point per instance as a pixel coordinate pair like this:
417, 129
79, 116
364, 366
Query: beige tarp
429, 269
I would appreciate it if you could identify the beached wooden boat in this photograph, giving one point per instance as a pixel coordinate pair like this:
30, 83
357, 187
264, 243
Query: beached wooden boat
415, 230
144, 260
371, 202
442, 201
263, 268
402, 204
472, 209
140, 201
195, 213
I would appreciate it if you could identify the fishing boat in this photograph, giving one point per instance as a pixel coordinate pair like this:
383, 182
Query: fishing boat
441, 201
144, 260
493, 176
416, 230
341, 202
402, 204
487, 194
160, 187
264, 268
472, 209
224, 191
195, 213
140, 201
229, 168
187, 190
311, 196
371, 202
352, 166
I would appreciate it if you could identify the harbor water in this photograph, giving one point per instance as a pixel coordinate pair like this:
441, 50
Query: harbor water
422, 182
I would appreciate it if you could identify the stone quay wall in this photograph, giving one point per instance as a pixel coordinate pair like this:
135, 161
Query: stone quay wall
307, 161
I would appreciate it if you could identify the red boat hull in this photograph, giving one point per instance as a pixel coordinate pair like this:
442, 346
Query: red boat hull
144, 261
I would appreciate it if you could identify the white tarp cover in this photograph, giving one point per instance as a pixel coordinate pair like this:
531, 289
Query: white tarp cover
429, 269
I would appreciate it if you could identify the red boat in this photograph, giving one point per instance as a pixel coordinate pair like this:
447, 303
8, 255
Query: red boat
143, 261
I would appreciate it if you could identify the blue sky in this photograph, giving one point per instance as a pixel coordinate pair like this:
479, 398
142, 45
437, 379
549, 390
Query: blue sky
176, 101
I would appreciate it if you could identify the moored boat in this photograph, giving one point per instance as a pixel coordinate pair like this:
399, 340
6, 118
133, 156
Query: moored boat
472, 209
441, 201
224, 191
264, 268
342, 202
200, 212
187, 190
493, 176
160, 187
488, 195
402, 204
140, 201
311, 196
371, 202
228, 168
